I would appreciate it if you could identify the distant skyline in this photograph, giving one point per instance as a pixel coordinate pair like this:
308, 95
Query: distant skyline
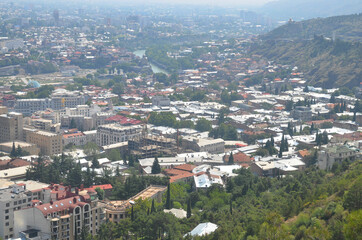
224, 3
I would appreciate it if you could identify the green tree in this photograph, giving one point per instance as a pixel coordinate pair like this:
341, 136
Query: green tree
203, 125
153, 209
13, 151
100, 193
353, 227
231, 159
114, 155
156, 168
353, 197
188, 215
168, 197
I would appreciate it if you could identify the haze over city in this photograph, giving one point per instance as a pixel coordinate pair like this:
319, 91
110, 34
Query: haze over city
176, 120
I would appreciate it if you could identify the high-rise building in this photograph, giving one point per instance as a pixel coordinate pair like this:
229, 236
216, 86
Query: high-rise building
11, 127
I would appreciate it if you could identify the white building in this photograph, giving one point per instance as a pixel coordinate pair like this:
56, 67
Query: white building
115, 133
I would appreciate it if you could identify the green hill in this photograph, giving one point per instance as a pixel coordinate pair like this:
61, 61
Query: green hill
347, 27
325, 63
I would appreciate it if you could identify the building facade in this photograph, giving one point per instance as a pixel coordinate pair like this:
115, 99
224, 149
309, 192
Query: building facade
11, 127
48, 142
115, 133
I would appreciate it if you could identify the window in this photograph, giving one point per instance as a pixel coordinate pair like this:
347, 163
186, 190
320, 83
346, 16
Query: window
7, 211
6, 217
10, 229
7, 224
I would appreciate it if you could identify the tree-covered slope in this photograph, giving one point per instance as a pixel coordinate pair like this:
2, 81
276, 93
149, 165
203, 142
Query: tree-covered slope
306, 9
346, 27
325, 63
313, 204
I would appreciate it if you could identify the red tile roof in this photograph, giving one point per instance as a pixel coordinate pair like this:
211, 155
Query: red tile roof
104, 187
123, 120
185, 167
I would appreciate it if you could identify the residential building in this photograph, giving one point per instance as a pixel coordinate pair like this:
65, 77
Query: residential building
302, 113
13, 199
117, 210
28, 106
61, 219
335, 154
204, 145
161, 101
11, 127
77, 139
115, 133
48, 142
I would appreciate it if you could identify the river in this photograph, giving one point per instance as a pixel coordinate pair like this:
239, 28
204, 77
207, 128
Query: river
155, 69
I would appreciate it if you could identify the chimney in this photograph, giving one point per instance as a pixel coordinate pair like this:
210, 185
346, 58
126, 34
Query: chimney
74, 200
51, 202
77, 191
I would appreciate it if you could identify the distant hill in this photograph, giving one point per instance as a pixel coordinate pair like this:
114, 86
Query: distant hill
325, 63
347, 27
306, 9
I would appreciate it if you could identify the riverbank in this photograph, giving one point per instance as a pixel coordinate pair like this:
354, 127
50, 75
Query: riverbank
155, 68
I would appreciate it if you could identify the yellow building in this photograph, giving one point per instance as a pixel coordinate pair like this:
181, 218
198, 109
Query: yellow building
48, 142
11, 127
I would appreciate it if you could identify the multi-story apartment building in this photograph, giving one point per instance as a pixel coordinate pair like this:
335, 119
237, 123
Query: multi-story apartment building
204, 145
67, 99
48, 142
62, 219
29, 106
77, 139
33, 210
11, 200
11, 127
335, 154
115, 133
100, 118
57, 101
302, 113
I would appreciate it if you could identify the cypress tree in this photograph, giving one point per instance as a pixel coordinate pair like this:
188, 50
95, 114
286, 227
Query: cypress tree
132, 214
272, 141
231, 207
153, 209
168, 197
156, 168
13, 151
280, 154
286, 147
148, 211
231, 159
188, 208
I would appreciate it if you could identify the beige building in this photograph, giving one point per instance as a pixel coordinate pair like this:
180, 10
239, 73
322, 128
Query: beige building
32, 149
204, 145
11, 127
117, 210
48, 142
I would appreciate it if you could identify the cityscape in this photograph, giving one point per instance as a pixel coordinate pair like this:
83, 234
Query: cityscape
180, 120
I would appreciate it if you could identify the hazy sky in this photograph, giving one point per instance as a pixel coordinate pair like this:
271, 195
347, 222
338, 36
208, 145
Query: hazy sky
224, 3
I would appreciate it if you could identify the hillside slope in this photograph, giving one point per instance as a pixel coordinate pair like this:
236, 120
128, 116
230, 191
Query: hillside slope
325, 63
306, 9
347, 27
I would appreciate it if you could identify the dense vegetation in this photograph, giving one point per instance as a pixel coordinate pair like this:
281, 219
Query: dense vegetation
325, 63
311, 205
346, 27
